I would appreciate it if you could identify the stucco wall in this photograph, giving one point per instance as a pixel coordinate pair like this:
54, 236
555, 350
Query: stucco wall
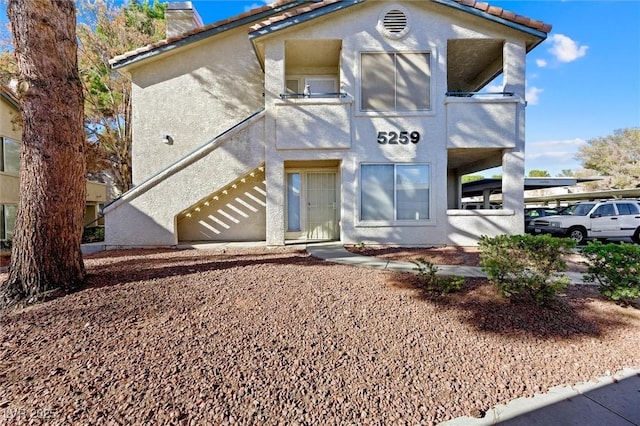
192, 95
485, 124
314, 124
149, 218
8, 128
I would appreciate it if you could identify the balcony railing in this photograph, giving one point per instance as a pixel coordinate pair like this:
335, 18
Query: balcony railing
313, 95
482, 120
318, 121
472, 94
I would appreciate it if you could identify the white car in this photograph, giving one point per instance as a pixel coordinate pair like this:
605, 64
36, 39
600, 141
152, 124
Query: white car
593, 219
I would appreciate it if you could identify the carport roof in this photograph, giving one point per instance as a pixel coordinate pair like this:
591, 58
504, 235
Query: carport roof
494, 186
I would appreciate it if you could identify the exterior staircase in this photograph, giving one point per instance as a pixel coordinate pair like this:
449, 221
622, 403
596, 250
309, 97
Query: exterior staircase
155, 207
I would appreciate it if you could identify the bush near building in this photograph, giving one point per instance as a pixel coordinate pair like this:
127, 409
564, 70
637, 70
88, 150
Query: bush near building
526, 266
616, 268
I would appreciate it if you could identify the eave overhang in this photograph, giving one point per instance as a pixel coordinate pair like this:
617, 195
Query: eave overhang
313, 13
199, 35
539, 34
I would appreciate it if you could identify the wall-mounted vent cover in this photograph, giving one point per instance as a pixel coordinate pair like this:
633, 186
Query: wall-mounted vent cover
393, 22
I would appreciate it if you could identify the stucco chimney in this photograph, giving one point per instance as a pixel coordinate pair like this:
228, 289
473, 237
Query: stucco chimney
181, 17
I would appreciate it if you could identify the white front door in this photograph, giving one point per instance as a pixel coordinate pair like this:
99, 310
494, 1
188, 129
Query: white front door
322, 206
312, 205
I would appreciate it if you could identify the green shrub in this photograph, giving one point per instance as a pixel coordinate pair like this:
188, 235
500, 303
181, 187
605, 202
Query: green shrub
426, 272
526, 265
616, 268
93, 234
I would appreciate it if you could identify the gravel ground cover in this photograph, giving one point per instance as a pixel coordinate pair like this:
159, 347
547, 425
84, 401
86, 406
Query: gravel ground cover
269, 337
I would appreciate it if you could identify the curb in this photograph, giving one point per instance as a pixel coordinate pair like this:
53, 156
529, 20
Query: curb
556, 394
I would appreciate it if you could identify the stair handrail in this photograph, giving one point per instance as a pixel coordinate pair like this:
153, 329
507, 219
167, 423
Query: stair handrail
195, 155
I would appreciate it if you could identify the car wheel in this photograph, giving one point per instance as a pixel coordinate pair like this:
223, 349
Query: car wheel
636, 236
579, 235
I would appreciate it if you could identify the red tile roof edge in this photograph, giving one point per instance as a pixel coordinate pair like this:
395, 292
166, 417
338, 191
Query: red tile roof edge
478, 5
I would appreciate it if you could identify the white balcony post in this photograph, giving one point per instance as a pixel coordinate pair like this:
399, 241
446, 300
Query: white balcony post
274, 166
513, 159
514, 55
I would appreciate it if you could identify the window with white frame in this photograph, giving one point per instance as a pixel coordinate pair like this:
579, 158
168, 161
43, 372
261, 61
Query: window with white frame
395, 82
394, 192
9, 156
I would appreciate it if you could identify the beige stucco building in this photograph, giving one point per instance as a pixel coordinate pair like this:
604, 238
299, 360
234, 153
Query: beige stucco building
10, 139
348, 120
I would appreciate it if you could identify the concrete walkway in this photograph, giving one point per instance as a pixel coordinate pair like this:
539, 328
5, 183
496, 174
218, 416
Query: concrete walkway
335, 252
611, 400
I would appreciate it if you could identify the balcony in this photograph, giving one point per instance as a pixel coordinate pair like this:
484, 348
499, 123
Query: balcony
482, 120
318, 121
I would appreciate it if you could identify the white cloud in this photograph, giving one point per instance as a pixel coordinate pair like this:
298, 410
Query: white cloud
532, 95
495, 88
564, 49
571, 144
257, 5
541, 63
553, 155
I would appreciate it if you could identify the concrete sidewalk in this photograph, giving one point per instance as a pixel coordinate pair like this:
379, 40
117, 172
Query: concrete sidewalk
611, 400
335, 252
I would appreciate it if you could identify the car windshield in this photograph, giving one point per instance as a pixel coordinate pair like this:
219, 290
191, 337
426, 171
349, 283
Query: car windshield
578, 209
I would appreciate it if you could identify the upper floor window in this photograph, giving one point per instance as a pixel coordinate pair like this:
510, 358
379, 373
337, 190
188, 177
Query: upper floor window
10, 156
395, 82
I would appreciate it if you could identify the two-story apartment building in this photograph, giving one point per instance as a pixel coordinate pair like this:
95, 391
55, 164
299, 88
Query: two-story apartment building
10, 139
350, 120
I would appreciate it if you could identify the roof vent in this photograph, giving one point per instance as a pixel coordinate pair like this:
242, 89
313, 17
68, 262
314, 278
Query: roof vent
393, 23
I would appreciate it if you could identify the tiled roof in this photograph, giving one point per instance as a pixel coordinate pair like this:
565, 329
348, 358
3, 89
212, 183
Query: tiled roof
257, 13
481, 6
505, 14
278, 11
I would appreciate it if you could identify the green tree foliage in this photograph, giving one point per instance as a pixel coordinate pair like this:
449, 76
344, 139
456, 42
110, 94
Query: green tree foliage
8, 67
617, 156
566, 173
471, 178
104, 32
539, 173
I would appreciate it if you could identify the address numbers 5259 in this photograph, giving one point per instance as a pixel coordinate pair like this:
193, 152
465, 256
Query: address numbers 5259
395, 138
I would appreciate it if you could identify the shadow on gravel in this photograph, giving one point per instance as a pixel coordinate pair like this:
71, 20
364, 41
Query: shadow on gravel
117, 267
152, 265
479, 305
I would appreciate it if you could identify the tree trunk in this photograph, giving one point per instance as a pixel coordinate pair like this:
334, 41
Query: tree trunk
46, 252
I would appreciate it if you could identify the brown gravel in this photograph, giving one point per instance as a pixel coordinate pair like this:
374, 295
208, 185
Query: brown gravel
276, 337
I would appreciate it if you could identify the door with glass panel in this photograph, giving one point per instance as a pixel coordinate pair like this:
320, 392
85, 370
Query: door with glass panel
312, 206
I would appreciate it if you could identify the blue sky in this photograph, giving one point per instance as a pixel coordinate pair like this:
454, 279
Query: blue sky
583, 82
